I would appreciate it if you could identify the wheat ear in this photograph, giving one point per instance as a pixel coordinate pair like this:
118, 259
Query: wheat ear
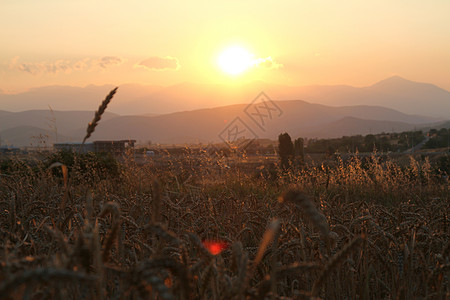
114, 209
98, 114
310, 212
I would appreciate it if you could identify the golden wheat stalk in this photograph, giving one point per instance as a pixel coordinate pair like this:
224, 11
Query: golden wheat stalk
267, 238
98, 114
114, 209
310, 212
156, 201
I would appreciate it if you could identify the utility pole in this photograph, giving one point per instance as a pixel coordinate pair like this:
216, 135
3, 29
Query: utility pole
448, 139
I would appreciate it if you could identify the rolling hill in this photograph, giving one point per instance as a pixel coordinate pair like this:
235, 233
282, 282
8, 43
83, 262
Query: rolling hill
25, 136
63, 120
349, 126
299, 118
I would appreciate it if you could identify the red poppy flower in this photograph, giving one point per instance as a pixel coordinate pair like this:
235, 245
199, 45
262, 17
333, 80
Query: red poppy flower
215, 247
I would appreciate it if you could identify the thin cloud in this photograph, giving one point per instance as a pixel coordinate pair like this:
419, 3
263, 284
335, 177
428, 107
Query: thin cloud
13, 62
82, 64
268, 63
45, 67
109, 61
64, 66
160, 63
33, 69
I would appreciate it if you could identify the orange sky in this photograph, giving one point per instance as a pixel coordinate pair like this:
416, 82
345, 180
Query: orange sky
53, 42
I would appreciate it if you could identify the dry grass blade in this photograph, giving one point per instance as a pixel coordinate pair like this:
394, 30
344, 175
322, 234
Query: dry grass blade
98, 114
63, 169
267, 238
65, 172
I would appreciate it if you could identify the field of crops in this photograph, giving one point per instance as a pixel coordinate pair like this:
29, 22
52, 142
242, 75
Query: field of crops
197, 229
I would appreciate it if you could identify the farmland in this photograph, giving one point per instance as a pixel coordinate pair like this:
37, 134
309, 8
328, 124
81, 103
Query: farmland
198, 228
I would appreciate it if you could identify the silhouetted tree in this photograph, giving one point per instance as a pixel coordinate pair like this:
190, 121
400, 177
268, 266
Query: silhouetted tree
298, 150
285, 149
370, 143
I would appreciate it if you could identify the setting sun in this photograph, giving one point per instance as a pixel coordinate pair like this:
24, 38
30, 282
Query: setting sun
235, 60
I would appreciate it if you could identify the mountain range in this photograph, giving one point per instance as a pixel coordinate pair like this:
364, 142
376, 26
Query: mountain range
133, 99
299, 118
348, 111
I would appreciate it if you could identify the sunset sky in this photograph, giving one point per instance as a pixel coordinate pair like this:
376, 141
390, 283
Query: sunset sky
77, 43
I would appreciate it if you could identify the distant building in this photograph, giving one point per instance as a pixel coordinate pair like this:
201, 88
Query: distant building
115, 147
150, 153
74, 147
8, 149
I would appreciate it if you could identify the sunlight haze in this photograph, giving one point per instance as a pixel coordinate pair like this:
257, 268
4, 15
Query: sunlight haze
358, 43
234, 149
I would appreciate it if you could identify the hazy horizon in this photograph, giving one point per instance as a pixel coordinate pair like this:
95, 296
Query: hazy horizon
136, 99
196, 113
236, 84
386, 60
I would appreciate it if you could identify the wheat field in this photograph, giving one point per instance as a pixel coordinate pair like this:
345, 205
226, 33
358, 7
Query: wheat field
196, 229
378, 231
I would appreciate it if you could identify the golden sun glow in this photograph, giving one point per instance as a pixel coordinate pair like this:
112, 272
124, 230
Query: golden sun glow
235, 60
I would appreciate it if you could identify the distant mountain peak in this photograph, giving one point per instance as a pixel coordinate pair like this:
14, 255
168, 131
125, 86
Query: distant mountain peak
397, 78
393, 80
399, 83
